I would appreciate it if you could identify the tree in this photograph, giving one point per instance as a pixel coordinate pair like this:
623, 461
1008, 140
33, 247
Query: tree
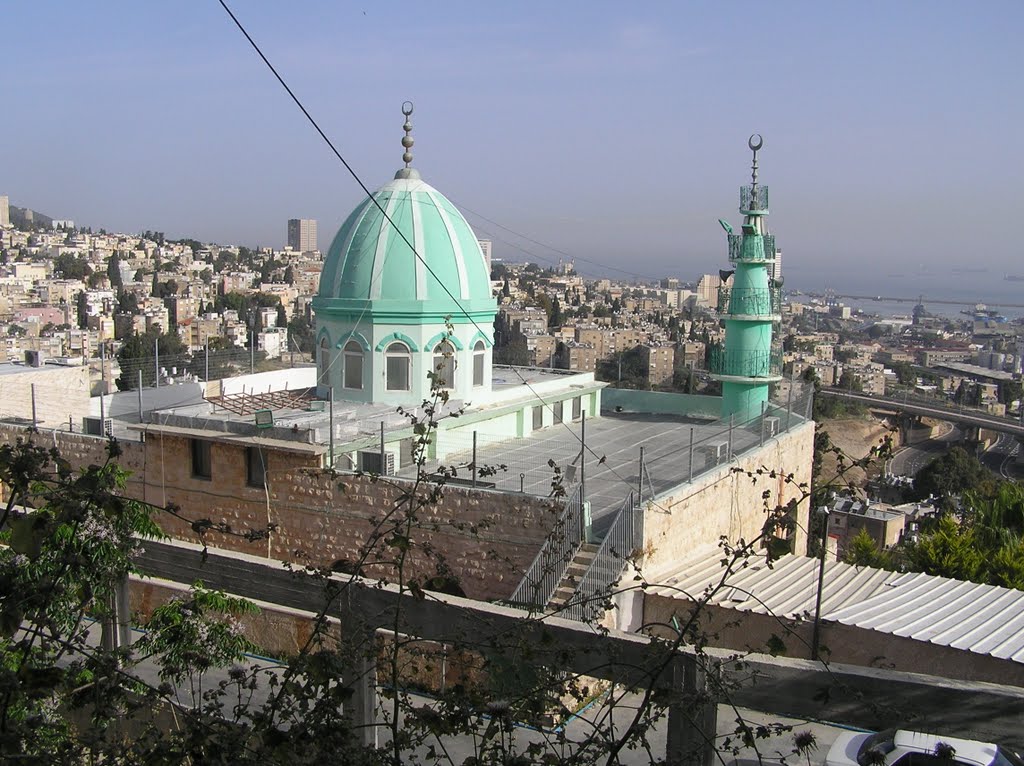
70, 266
950, 474
114, 271
555, 317
138, 353
300, 335
862, 551
82, 310
950, 551
849, 381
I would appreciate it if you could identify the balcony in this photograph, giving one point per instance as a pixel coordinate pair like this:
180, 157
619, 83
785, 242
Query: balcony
748, 251
750, 301
748, 202
745, 364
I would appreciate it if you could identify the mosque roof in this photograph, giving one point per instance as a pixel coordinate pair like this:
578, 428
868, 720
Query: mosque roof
370, 260
406, 250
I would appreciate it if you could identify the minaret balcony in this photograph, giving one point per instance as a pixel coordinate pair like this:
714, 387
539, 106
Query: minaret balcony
741, 251
754, 200
750, 302
744, 365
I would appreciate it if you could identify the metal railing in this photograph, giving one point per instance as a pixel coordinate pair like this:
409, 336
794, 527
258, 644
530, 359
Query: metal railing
745, 364
624, 537
560, 548
749, 200
747, 248
754, 301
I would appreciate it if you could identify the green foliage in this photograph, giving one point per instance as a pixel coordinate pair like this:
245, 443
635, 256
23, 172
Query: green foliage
190, 635
69, 266
139, 353
862, 551
950, 551
949, 475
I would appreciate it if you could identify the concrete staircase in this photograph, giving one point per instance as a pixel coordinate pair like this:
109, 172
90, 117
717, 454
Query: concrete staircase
570, 581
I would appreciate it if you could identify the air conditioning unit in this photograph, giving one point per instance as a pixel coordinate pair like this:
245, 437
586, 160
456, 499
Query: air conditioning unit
33, 358
716, 452
93, 427
771, 426
369, 461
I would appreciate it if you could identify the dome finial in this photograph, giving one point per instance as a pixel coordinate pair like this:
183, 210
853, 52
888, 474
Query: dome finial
755, 142
407, 140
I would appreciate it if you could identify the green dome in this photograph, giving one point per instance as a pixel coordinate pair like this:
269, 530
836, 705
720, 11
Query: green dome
370, 267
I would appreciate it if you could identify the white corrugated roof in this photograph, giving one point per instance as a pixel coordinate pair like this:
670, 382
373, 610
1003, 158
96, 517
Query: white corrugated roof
984, 619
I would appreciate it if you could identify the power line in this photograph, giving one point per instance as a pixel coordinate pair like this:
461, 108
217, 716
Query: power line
399, 232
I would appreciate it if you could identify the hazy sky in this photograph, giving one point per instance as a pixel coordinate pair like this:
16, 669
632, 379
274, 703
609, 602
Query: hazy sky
893, 131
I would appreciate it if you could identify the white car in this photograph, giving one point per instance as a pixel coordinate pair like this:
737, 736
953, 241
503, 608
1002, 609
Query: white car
896, 747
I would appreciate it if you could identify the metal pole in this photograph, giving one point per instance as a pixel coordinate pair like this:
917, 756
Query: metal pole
583, 457
640, 478
731, 415
156, 361
689, 480
816, 636
474, 458
763, 404
139, 389
330, 417
252, 351
35, 422
206, 373
103, 387
789, 400
382, 465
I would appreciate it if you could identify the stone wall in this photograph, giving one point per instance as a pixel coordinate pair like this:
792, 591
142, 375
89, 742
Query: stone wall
484, 539
730, 502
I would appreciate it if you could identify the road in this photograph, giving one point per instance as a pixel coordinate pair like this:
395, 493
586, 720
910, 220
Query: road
1000, 458
911, 459
916, 406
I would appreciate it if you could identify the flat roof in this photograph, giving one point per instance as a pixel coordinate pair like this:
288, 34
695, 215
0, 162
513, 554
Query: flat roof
984, 619
612, 467
16, 368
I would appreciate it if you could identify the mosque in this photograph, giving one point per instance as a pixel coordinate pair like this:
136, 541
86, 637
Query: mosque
552, 481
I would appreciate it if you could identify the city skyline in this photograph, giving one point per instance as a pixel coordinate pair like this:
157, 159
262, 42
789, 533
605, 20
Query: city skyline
615, 136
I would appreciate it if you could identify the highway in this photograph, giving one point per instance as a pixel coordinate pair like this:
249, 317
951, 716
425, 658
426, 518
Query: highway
916, 406
1000, 458
911, 459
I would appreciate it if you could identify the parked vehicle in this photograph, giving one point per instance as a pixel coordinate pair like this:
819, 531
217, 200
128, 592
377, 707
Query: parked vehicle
897, 747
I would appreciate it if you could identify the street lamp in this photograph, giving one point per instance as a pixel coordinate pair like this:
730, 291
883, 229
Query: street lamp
816, 635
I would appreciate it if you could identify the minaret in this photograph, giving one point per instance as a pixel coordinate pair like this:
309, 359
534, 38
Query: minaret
748, 361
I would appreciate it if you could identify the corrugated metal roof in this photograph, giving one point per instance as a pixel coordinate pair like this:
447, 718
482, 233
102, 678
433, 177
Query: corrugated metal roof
984, 619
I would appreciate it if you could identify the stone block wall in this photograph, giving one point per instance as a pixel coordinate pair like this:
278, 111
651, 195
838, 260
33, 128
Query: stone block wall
483, 539
728, 502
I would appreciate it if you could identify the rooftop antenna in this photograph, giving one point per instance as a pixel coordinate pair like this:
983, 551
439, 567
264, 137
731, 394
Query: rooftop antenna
755, 142
407, 139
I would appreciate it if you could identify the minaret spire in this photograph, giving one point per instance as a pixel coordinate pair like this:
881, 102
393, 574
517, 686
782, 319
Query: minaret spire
407, 141
754, 145
749, 360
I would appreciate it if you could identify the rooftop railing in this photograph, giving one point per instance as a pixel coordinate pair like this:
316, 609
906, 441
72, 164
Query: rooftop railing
746, 248
753, 301
745, 364
754, 199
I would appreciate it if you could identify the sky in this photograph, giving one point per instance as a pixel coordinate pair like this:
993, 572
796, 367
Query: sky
612, 132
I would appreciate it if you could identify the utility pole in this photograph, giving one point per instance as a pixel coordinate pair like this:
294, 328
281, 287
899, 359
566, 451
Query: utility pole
816, 636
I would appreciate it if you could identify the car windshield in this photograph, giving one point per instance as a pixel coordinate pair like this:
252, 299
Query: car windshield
877, 743
1006, 757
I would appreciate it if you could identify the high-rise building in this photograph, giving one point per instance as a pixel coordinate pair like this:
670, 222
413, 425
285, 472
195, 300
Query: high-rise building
485, 248
5, 210
302, 234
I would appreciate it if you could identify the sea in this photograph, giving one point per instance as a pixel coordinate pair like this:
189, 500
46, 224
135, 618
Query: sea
943, 292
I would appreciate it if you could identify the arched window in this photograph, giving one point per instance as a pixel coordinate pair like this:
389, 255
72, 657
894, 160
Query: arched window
397, 367
444, 364
479, 358
353, 374
325, 362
